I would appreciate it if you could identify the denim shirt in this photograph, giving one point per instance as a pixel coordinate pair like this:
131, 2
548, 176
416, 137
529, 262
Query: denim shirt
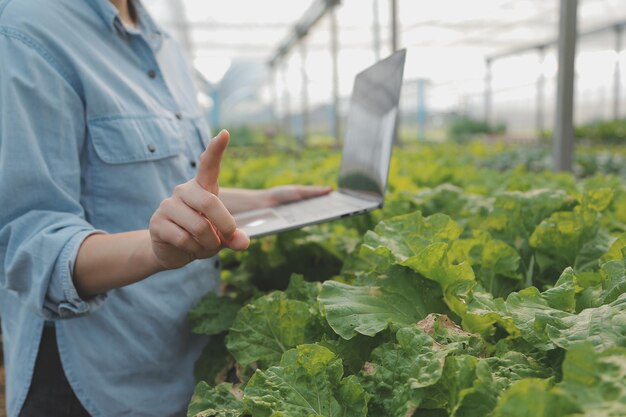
98, 123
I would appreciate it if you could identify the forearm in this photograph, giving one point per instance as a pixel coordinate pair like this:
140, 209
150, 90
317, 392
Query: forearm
238, 200
105, 262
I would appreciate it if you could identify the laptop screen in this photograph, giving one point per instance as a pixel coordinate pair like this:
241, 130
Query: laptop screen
371, 127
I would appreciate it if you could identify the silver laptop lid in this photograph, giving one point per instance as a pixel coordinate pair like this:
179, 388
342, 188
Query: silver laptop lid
371, 127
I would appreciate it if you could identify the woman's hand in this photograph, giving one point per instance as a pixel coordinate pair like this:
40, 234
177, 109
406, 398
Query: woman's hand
289, 193
239, 200
191, 224
194, 223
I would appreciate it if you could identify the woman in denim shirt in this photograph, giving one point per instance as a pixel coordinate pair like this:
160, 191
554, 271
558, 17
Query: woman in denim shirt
98, 124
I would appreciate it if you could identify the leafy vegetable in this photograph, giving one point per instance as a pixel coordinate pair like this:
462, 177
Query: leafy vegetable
266, 328
307, 382
213, 314
221, 401
535, 398
399, 373
573, 238
400, 297
484, 381
593, 385
487, 286
596, 380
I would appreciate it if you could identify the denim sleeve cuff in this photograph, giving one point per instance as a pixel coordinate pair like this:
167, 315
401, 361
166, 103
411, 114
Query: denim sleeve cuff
62, 298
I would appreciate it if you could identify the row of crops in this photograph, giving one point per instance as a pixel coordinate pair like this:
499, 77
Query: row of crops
481, 289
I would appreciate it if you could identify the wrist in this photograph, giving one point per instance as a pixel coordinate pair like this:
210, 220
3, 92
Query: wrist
268, 198
108, 261
147, 257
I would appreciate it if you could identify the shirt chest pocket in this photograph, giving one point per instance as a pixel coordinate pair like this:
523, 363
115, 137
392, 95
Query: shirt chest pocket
132, 140
133, 164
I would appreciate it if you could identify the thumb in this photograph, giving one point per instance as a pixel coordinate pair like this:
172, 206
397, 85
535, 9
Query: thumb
209, 168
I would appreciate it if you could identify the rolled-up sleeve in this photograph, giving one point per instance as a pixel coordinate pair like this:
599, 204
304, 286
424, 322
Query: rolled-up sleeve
42, 221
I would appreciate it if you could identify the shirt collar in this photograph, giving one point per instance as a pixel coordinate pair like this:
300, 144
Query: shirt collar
147, 25
110, 17
106, 10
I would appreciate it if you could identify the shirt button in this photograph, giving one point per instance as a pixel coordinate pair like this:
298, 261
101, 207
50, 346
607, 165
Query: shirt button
178, 115
152, 74
151, 148
193, 164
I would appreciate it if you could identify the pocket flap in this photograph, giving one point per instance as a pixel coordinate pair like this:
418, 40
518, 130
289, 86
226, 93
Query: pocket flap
120, 140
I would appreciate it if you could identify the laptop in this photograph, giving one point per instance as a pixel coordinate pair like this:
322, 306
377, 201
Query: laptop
366, 155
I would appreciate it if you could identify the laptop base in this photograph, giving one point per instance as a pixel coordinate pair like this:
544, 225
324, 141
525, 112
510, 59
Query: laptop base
276, 219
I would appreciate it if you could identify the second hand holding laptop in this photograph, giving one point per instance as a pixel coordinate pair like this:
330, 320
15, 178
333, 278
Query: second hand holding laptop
365, 159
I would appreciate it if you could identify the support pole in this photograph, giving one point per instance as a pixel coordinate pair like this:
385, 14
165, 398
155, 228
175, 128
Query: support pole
541, 86
617, 81
274, 99
334, 51
180, 17
422, 114
394, 26
305, 93
376, 29
488, 92
215, 111
286, 101
564, 124
394, 48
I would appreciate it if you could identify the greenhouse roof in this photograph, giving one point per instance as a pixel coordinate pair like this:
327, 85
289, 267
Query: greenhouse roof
217, 33
451, 44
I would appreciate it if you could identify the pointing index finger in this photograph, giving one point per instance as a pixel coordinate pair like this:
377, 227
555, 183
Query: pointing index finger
209, 167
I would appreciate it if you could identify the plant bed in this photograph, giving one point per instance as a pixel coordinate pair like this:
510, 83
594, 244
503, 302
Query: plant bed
475, 292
